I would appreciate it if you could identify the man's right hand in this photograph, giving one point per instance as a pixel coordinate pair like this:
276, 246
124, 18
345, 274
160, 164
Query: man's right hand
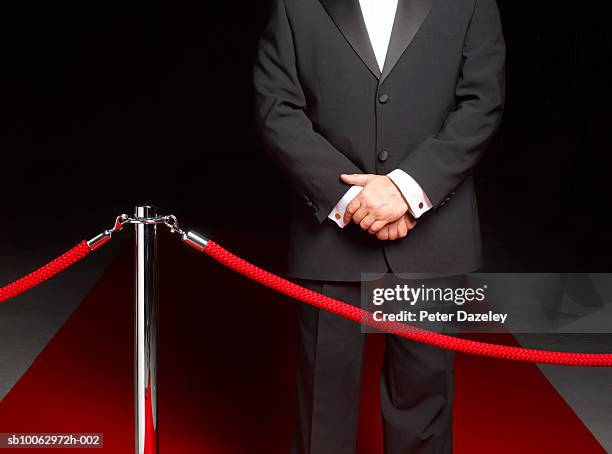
395, 230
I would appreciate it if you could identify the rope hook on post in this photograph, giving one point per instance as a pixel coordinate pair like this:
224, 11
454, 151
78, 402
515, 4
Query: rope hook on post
100, 240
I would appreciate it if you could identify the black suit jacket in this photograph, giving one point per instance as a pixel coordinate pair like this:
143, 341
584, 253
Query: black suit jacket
324, 109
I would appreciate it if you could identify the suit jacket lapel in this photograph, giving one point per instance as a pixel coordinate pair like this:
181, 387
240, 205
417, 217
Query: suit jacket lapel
347, 16
409, 17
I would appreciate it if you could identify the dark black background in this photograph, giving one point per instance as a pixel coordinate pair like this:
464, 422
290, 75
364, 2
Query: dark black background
108, 104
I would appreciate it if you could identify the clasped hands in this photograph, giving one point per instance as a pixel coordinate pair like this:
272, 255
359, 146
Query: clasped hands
380, 208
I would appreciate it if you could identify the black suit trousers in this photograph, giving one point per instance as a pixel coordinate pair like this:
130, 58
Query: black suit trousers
416, 388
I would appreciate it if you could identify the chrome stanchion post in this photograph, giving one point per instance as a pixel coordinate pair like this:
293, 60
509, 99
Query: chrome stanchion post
146, 330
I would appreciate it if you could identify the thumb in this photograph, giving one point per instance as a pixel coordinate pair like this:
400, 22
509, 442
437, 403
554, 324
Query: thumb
357, 179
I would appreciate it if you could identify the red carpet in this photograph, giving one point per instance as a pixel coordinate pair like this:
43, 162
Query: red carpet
221, 394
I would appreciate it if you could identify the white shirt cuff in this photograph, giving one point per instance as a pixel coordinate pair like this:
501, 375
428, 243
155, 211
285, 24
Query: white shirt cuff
337, 214
418, 202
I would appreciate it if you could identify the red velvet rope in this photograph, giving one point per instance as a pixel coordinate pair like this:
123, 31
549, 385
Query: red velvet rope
46, 272
409, 332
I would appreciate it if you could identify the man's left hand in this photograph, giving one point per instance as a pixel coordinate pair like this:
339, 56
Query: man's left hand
378, 204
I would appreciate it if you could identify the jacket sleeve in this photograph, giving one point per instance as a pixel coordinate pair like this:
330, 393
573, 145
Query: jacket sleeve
310, 162
442, 162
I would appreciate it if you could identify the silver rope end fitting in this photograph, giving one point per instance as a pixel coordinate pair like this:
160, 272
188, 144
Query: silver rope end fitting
194, 240
101, 239
191, 239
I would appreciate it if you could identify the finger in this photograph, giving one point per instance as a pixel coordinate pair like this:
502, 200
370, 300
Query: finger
357, 179
351, 209
367, 222
393, 231
402, 227
360, 214
383, 234
376, 227
410, 222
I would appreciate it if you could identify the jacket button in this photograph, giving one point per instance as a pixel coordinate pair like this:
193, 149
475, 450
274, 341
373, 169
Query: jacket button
383, 98
383, 155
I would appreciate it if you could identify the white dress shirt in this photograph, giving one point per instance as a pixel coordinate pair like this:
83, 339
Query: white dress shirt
379, 16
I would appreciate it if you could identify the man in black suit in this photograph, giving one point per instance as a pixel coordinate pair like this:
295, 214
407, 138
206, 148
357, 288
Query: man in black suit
377, 111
